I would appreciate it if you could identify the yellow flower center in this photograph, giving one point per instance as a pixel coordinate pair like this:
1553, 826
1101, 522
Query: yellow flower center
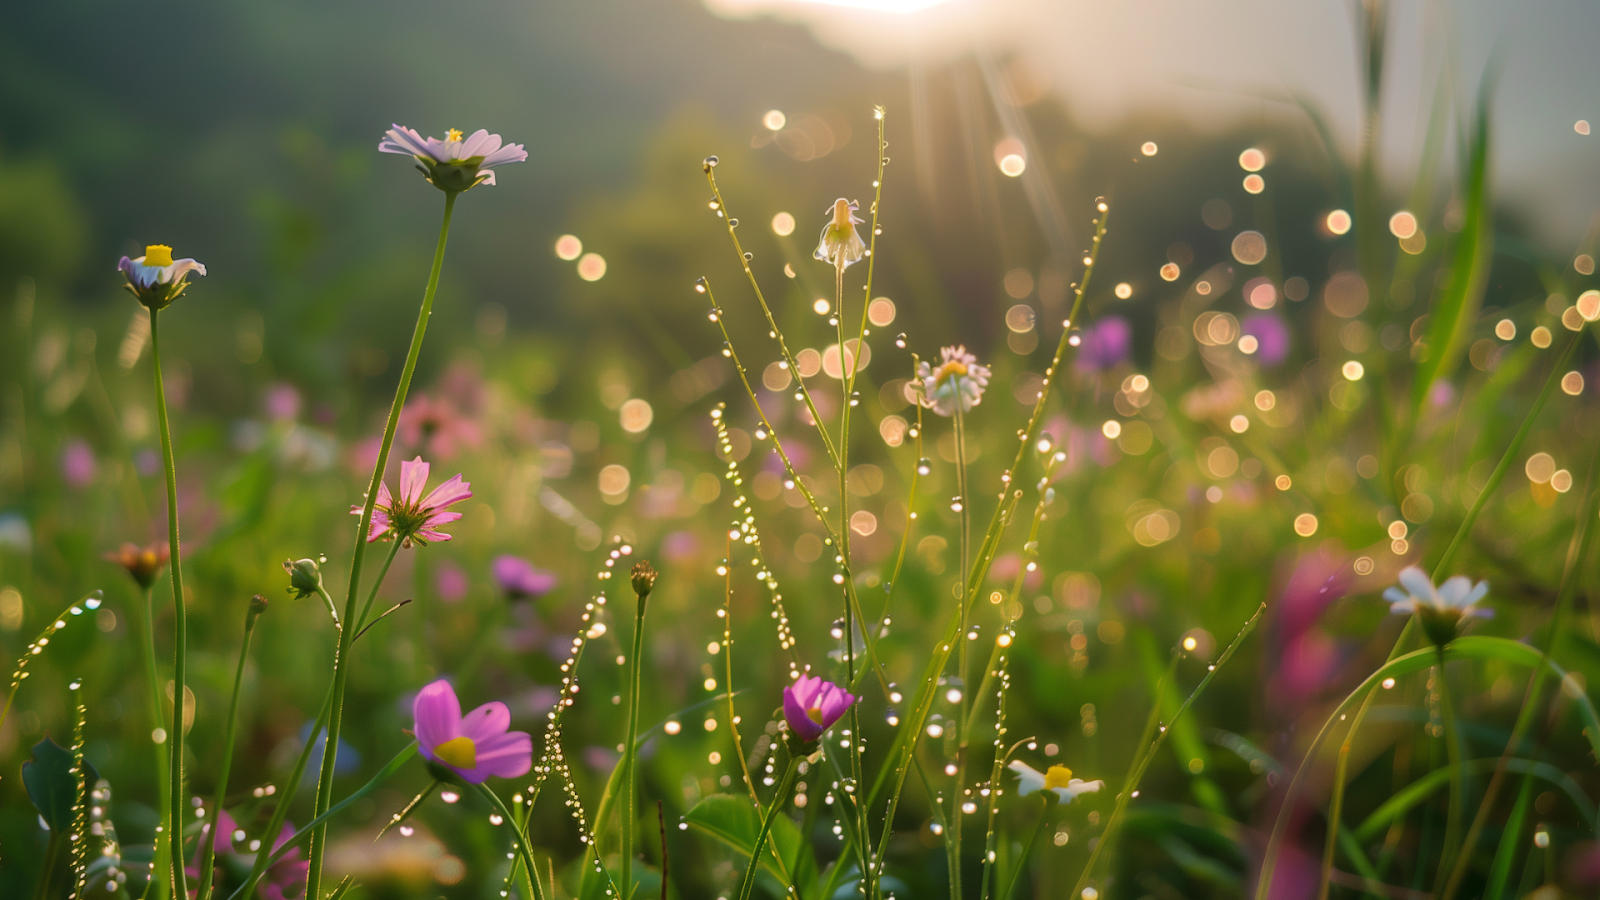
452, 135
158, 255
1057, 777
460, 752
815, 714
951, 369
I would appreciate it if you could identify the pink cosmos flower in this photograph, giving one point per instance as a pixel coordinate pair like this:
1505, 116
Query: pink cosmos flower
415, 517
812, 705
473, 747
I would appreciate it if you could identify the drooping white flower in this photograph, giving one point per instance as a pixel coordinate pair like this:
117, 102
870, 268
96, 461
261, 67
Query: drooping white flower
840, 244
1057, 779
959, 381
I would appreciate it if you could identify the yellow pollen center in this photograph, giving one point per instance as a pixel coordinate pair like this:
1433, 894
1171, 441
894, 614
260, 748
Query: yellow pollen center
452, 135
158, 255
815, 714
1057, 777
460, 752
951, 369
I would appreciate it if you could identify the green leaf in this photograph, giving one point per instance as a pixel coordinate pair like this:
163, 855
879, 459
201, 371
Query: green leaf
735, 822
1457, 308
53, 785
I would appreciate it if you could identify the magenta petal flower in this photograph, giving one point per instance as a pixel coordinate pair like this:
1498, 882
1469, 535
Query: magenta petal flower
475, 746
812, 705
415, 517
520, 578
456, 163
286, 880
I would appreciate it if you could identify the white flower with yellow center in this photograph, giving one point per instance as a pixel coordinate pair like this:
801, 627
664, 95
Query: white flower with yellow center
1057, 779
957, 383
156, 278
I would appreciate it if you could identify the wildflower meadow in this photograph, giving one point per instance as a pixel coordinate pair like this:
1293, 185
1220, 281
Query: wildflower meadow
822, 511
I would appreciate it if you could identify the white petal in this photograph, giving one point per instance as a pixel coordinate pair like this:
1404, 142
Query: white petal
1029, 779
1418, 583
1395, 595
1453, 593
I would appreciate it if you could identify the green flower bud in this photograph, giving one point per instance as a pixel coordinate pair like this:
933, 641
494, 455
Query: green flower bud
305, 576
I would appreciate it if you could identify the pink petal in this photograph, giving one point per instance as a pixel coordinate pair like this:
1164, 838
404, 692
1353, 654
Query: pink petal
508, 755
413, 478
795, 713
806, 690
453, 491
480, 143
438, 716
431, 536
380, 525
487, 721
440, 518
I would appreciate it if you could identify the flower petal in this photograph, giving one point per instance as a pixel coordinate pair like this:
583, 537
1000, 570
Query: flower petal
1418, 583
453, 491
479, 143
508, 755
413, 478
487, 721
1454, 591
794, 712
1029, 779
437, 714
510, 153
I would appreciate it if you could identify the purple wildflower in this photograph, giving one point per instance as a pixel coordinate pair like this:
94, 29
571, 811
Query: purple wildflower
812, 705
78, 464
1105, 344
1271, 334
454, 164
474, 747
519, 578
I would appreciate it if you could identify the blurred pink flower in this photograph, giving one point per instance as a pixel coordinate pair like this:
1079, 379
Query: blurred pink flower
286, 879
282, 402
519, 578
475, 746
451, 582
436, 426
78, 466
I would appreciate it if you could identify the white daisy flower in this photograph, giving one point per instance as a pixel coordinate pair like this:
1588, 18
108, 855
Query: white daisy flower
1057, 779
958, 381
1441, 609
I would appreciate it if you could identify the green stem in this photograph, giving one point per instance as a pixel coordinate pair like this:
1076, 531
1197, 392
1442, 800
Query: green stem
361, 620
1577, 552
340, 669
1145, 759
785, 785
519, 838
208, 837
1452, 748
630, 755
281, 810
1027, 849
158, 885
180, 626
278, 852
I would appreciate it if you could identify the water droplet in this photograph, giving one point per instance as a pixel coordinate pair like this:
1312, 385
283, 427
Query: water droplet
1074, 337
495, 819
407, 831
900, 340
748, 256
711, 163
449, 796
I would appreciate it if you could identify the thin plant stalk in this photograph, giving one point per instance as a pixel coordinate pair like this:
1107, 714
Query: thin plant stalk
340, 667
265, 859
630, 755
519, 839
785, 785
1027, 849
1557, 369
383, 571
1577, 552
1457, 803
175, 811
280, 812
208, 837
1145, 758
158, 885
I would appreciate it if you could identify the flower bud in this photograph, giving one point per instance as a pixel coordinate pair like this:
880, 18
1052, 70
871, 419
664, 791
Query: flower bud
258, 605
644, 580
305, 576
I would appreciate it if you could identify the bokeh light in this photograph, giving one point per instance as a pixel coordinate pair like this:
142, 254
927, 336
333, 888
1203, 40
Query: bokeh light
591, 267
568, 247
783, 224
1338, 222
774, 120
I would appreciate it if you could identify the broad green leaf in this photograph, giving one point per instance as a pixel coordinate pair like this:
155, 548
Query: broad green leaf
53, 785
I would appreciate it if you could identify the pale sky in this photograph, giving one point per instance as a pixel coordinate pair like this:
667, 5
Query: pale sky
1202, 59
